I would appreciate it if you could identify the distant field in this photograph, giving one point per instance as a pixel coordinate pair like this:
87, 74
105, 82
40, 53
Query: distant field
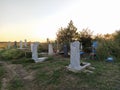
3, 44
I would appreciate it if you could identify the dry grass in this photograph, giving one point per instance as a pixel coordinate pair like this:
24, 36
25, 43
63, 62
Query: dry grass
3, 44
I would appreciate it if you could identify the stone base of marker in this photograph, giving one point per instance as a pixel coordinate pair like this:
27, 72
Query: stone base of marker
40, 59
78, 69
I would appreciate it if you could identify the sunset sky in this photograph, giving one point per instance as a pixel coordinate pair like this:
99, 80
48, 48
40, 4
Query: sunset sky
36, 20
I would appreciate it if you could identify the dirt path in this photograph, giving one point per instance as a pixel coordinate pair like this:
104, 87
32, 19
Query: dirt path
17, 70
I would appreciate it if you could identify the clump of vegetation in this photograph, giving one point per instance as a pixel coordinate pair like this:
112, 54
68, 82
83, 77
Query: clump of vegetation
43, 47
116, 36
2, 73
67, 35
23, 61
109, 46
16, 84
8, 54
85, 37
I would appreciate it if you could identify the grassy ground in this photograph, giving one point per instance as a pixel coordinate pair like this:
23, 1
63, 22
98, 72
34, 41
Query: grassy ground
53, 75
2, 73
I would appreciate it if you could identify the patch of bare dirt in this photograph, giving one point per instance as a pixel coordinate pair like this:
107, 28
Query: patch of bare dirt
13, 70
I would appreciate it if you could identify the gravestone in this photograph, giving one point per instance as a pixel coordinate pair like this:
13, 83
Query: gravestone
48, 40
65, 51
95, 44
20, 44
50, 49
15, 44
57, 47
9, 45
31, 47
34, 47
34, 51
75, 55
75, 58
25, 43
93, 54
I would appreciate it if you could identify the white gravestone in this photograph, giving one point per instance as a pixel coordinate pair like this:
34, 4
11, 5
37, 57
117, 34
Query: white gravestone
50, 49
31, 47
34, 51
20, 44
25, 43
9, 45
57, 47
75, 57
34, 47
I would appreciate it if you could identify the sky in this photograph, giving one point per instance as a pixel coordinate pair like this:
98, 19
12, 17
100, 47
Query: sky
37, 20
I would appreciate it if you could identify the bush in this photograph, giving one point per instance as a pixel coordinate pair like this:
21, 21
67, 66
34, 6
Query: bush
28, 54
16, 84
23, 61
12, 54
2, 73
108, 48
43, 47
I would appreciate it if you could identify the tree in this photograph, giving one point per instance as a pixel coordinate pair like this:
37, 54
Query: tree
67, 35
116, 36
108, 36
85, 37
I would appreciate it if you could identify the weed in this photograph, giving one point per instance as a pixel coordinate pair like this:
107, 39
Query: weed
2, 73
16, 84
22, 61
11, 54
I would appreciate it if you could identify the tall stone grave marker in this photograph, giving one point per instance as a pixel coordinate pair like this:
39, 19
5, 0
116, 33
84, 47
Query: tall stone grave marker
75, 58
25, 43
65, 49
57, 47
75, 55
50, 49
9, 45
20, 44
15, 44
34, 47
31, 47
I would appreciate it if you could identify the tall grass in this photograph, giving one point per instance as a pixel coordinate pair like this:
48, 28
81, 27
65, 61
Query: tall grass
2, 73
16, 84
8, 54
108, 48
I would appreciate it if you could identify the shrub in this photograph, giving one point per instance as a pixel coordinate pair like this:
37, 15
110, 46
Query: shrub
28, 54
108, 48
16, 84
43, 47
2, 73
12, 54
23, 61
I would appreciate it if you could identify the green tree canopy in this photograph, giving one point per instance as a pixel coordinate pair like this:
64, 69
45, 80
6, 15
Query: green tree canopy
117, 36
67, 35
85, 36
